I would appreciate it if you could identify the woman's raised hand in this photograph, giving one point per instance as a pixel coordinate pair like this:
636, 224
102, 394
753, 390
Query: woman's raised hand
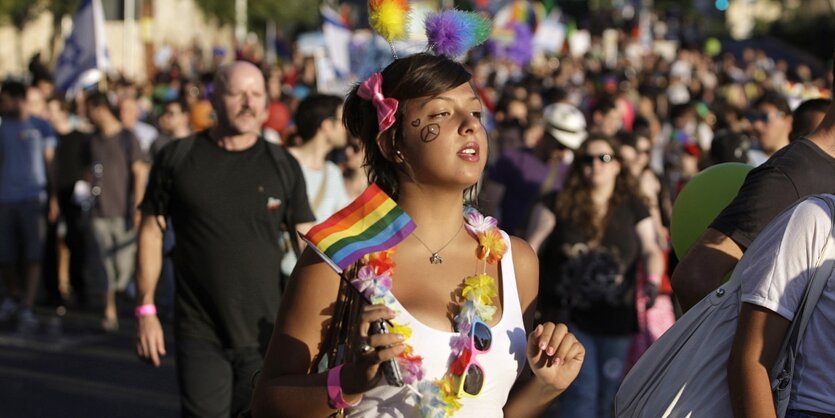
370, 350
554, 355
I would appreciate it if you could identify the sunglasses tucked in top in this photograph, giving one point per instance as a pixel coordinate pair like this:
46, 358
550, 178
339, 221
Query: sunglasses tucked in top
469, 371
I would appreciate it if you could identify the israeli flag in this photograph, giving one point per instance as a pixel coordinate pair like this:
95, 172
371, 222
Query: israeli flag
337, 38
85, 52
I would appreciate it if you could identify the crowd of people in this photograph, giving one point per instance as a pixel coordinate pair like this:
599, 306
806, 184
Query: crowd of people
182, 196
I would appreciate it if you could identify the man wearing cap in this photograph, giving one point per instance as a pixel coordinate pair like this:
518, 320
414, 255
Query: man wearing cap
520, 176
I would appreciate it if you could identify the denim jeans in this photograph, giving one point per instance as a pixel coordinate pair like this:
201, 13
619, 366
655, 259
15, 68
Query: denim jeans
592, 394
793, 413
214, 382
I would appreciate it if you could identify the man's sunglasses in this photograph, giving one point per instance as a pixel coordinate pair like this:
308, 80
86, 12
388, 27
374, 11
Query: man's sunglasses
603, 158
763, 116
471, 375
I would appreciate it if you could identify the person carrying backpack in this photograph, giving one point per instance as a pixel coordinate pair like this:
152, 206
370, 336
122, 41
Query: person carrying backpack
792, 248
118, 171
227, 193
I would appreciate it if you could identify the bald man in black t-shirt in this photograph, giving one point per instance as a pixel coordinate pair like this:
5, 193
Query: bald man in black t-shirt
226, 200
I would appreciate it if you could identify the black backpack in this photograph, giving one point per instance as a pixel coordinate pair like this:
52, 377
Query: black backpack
173, 160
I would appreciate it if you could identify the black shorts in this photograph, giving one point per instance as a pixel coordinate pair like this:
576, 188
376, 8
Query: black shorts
22, 231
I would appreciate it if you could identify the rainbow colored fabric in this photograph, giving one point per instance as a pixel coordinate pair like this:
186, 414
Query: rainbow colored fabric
371, 223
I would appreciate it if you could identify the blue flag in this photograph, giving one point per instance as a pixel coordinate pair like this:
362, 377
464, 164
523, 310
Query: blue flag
337, 39
85, 52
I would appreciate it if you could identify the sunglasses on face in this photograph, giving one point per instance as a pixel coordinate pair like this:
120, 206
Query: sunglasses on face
603, 158
472, 379
763, 116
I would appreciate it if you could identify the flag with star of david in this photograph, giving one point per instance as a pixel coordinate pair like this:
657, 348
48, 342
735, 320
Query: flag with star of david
85, 52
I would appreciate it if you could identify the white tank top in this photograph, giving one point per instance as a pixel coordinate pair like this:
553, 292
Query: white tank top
502, 364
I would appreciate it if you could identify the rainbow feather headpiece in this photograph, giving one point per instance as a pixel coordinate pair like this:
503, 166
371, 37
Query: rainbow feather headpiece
389, 18
452, 32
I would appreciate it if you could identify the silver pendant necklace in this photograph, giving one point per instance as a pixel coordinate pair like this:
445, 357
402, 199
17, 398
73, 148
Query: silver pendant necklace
436, 255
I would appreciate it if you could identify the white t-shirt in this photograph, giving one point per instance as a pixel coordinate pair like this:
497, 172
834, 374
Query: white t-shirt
145, 134
335, 196
776, 269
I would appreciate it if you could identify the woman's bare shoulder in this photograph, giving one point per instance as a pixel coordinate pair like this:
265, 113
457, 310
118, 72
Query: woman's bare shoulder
526, 267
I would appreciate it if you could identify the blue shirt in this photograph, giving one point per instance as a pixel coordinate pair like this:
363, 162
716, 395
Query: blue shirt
22, 164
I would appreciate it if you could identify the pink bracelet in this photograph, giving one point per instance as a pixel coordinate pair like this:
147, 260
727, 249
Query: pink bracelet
335, 398
145, 310
654, 279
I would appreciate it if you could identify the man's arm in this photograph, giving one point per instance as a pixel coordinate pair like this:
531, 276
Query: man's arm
139, 171
49, 162
759, 335
541, 224
704, 267
150, 343
651, 253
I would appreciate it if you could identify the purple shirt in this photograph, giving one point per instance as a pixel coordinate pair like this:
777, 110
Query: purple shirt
522, 174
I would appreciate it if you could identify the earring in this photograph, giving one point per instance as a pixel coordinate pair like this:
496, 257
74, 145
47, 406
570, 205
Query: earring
398, 152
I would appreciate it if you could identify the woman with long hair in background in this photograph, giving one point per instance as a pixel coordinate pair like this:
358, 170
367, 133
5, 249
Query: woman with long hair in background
602, 228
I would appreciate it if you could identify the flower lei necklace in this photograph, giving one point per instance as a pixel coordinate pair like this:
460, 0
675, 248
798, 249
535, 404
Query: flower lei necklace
438, 397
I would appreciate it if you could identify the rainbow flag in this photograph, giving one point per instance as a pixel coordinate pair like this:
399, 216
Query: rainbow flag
371, 223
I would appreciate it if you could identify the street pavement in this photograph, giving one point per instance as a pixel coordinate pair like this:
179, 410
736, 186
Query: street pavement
70, 368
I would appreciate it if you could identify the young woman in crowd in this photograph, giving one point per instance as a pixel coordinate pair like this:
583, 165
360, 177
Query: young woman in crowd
602, 229
425, 146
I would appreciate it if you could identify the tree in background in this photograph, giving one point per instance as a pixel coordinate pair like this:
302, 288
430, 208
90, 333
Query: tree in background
285, 13
19, 13
59, 9
221, 10
293, 13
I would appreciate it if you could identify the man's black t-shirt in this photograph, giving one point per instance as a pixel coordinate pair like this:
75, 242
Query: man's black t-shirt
593, 283
797, 170
226, 208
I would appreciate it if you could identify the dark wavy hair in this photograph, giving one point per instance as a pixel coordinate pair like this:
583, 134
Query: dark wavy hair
406, 78
574, 201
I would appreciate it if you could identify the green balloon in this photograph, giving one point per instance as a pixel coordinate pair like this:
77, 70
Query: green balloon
701, 200
713, 47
